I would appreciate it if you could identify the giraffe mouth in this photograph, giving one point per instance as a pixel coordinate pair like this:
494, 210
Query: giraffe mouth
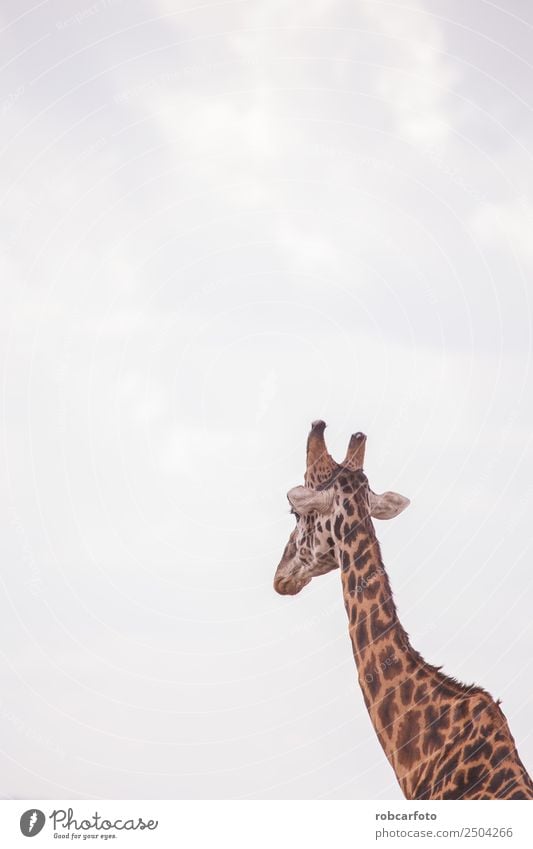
290, 585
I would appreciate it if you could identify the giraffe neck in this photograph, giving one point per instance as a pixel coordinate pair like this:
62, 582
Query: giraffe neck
444, 740
392, 675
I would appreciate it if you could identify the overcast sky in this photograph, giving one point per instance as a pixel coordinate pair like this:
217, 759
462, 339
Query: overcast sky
219, 222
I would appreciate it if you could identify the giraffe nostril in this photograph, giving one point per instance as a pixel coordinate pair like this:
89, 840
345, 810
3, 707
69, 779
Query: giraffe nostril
280, 587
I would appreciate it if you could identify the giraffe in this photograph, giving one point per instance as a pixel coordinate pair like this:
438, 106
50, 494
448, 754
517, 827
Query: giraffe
443, 739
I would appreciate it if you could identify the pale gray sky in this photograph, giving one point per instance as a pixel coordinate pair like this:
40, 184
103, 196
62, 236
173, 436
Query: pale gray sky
219, 222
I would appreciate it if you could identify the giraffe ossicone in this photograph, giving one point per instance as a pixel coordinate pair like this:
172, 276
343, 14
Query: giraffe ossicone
443, 739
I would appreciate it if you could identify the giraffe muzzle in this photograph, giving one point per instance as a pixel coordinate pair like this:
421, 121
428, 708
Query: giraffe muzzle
290, 586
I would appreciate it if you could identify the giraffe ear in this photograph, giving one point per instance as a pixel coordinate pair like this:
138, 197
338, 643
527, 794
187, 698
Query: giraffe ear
304, 499
387, 505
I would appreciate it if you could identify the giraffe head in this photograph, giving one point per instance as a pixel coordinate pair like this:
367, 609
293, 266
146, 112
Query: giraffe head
335, 500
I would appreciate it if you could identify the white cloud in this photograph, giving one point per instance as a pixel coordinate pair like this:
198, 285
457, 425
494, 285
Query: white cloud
508, 224
420, 79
